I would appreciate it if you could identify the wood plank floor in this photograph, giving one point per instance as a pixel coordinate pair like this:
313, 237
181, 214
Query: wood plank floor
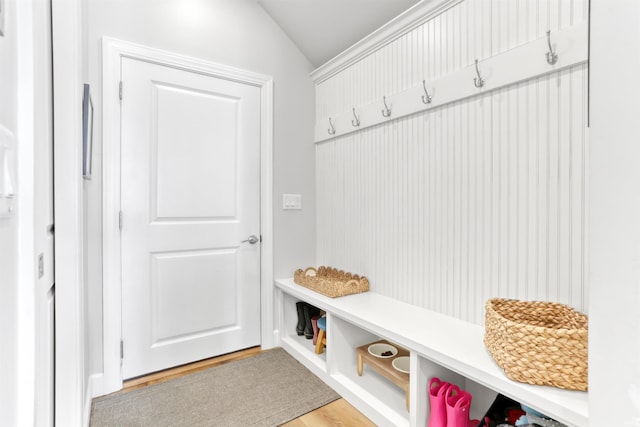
338, 413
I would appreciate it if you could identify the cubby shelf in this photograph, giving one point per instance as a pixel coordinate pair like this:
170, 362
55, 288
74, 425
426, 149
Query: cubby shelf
445, 341
295, 344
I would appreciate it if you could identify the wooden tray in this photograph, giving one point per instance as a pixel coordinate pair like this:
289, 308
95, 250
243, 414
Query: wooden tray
384, 367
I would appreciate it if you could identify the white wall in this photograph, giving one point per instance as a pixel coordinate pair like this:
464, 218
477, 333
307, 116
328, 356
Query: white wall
9, 229
614, 216
229, 32
480, 198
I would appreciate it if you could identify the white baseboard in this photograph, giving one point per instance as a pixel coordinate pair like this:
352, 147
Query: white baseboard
274, 341
96, 385
94, 388
86, 409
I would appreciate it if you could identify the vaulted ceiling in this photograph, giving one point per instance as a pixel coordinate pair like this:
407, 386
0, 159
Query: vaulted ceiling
323, 28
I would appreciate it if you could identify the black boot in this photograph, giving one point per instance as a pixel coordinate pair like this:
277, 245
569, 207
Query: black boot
301, 319
309, 312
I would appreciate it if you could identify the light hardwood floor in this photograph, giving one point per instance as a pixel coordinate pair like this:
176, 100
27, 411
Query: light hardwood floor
337, 413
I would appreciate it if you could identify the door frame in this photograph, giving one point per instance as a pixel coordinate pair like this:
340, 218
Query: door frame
71, 371
113, 50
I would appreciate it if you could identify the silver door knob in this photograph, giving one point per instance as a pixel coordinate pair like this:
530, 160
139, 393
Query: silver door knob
252, 239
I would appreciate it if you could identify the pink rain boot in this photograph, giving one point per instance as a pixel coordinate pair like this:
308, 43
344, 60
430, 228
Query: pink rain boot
314, 324
458, 405
438, 412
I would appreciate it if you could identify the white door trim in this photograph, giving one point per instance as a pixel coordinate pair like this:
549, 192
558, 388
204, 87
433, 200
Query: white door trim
112, 52
72, 407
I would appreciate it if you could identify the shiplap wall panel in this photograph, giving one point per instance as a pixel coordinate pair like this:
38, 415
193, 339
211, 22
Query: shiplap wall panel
479, 198
450, 41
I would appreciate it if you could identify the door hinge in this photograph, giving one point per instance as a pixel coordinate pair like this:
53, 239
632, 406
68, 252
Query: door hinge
121, 350
261, 238
120, 90
120, 220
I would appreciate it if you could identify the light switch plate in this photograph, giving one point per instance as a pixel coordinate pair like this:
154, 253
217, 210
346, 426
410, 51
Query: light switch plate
7, 173
292, 201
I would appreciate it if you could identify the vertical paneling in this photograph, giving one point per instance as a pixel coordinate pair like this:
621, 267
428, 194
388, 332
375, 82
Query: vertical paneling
476, 199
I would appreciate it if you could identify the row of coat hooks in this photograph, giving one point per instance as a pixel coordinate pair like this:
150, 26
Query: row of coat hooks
427, 98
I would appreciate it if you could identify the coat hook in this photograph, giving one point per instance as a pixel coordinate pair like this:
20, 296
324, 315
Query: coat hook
426, 98
552, 57
478, 81
332, 130
387, 111
355, 122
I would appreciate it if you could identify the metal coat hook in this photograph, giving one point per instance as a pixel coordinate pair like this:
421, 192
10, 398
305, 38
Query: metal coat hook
478, 81
426, 98
332, 129
552, 57
387, 111
355, 122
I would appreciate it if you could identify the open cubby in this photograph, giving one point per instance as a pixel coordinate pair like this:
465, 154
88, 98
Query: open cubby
292, 342
342, 340
424, 369
440, 346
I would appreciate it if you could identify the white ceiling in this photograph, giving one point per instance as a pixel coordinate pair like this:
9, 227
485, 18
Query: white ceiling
323, 28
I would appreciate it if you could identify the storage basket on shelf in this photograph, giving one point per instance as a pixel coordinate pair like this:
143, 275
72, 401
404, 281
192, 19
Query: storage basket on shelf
331, 282
542, 343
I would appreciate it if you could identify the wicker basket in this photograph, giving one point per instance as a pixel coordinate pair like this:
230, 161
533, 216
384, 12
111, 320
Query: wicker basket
331, 282
540, 343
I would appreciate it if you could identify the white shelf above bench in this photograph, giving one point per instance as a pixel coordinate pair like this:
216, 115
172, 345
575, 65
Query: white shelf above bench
452, 343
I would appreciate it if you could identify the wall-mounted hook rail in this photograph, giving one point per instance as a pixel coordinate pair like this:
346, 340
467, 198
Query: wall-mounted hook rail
496, 71
332, 129
355, 122
387, 111
426, 98
478, 81
552, 57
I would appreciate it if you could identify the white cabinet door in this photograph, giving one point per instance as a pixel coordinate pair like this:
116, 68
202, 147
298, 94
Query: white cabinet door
190, 196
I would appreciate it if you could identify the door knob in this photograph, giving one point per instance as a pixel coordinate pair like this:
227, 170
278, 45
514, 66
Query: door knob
252, 239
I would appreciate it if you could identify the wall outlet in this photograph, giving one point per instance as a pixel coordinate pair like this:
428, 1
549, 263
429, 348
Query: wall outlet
292, 201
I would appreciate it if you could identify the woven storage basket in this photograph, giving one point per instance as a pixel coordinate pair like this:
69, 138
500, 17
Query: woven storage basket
331, 282
540, 343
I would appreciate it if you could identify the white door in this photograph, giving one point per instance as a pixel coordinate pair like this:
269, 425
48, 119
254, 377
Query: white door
190, 199
43, 216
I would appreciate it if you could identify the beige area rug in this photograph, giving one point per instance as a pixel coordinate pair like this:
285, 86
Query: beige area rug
264, 390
